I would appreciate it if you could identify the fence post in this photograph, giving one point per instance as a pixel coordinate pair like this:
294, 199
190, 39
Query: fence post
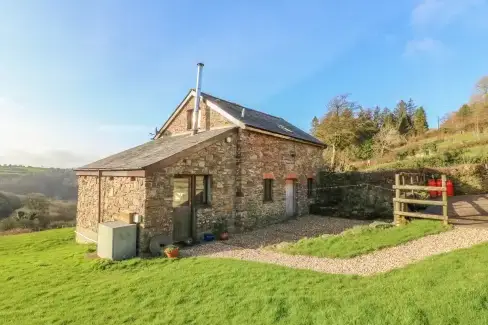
396, 204
444, 199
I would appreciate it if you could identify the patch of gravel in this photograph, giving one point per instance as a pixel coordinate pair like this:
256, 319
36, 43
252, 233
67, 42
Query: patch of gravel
377, 262
293, 230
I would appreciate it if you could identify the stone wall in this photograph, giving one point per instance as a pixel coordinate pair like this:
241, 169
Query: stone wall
217, 160
87, 209
122, 194
118, 194
260, 154
209, 119
370, 195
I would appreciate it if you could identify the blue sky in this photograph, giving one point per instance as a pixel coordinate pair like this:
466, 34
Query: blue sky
83, 79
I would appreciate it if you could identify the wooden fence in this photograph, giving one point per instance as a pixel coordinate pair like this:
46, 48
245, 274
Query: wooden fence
400, 200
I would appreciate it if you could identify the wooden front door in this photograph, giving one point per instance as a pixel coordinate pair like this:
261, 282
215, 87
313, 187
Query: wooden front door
182, 208
290, 197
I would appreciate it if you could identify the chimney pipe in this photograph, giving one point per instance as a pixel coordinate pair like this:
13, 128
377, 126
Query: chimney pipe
197, 98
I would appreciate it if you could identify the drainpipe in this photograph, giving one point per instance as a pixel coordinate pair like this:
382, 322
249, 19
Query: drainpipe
197, 98
99, 196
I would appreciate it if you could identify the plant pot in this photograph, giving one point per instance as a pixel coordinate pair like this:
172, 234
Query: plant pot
173, 254
224, 235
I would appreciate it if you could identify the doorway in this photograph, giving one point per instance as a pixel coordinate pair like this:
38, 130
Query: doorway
189, 193
290, 198
182, 208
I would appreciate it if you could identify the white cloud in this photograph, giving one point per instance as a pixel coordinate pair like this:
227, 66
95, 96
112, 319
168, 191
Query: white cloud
426, 47
439, 13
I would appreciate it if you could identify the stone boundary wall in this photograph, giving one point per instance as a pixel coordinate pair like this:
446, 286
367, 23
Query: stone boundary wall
369, 195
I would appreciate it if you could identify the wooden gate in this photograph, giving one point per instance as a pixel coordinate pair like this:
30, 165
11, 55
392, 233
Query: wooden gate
400, 200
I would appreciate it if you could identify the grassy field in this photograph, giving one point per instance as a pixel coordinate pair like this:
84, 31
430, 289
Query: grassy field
361, 240
20, 170
46, 279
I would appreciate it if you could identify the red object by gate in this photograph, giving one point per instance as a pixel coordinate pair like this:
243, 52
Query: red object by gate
432, 182
450, 188
439, 184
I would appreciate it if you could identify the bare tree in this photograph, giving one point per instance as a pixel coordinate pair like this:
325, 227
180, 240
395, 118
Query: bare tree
482, 88
338, 127
386, 139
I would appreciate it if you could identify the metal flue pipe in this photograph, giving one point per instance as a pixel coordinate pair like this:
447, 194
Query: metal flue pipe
197, 98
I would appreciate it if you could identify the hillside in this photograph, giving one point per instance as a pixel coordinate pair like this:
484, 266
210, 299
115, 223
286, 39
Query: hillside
54, 183
437, 149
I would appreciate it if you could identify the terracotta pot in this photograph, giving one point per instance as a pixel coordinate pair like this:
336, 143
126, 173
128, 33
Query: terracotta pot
224, 236
173, 254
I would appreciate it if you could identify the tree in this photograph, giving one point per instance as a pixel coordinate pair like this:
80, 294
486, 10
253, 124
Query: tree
420, 124
338, 127
482, 88
386, 139
411, 108
315, 124
404, 123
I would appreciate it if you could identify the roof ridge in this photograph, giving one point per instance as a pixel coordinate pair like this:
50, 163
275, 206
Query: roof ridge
234, 103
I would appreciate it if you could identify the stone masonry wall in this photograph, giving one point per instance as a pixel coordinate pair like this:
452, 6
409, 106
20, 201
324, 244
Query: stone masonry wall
369, 194
122, 194
217, 160
259, 154
118, 194
209, 119
87, 210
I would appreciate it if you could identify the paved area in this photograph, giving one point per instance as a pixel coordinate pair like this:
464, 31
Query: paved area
377, 262
465, 210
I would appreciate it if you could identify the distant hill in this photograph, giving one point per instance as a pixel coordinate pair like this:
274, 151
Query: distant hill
54, 183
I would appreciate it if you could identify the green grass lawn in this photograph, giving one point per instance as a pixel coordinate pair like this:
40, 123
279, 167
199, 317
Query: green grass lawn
361, 240
46, 279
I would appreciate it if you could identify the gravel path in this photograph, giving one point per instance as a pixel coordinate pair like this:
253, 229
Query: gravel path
377, 262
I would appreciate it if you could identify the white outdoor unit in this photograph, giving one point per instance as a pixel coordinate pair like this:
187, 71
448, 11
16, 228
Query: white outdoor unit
117, 240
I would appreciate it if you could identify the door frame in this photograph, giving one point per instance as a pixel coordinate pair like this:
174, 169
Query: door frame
293, 182
191, 202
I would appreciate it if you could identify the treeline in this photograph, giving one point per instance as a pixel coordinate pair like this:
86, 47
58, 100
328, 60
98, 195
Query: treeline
472, 116
54, 183
353, 132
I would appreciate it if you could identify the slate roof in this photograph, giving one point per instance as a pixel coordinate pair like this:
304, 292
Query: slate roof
261, 120
153, 151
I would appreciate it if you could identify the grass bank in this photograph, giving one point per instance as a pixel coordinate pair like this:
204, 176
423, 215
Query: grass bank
46, 279
361, 240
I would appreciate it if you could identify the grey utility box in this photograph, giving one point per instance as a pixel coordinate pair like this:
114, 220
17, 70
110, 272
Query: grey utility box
117, 240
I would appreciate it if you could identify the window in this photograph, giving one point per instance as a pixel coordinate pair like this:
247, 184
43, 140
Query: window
268, 190
309, 187
189, 118
202, 189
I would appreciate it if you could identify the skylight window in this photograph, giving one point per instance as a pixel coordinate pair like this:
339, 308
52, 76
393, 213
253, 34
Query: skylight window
284, 128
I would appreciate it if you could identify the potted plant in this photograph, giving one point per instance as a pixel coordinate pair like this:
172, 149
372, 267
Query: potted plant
220, 229
171, 251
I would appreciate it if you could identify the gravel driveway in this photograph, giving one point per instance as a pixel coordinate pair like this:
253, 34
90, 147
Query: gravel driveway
377, 262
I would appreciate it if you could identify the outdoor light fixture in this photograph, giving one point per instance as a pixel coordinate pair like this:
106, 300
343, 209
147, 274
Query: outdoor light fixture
228, 139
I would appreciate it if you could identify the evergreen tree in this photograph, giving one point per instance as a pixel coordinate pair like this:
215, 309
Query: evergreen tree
420, 124
315, 125
411, 108
404, 123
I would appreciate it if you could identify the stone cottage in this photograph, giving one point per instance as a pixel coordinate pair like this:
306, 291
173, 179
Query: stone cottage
222, 163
